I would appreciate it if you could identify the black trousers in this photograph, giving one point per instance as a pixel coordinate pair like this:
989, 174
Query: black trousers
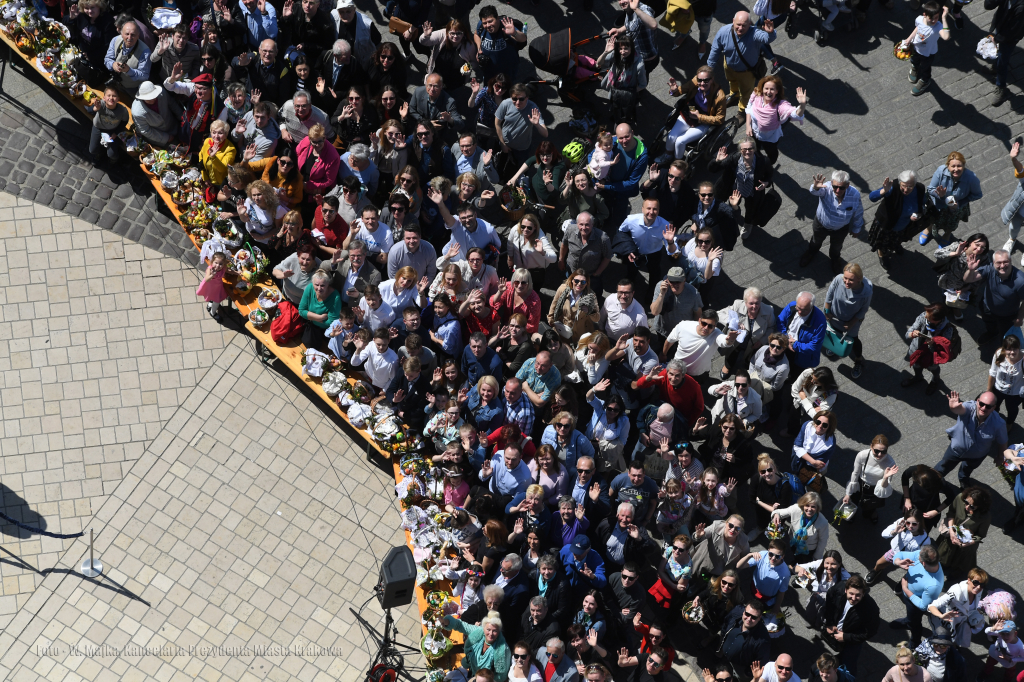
923, 66
1013, 403
820, 233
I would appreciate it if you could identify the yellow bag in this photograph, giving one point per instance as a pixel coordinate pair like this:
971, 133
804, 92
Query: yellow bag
678, 16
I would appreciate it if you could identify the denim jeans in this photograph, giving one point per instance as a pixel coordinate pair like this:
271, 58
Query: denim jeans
951, 459
1003, 63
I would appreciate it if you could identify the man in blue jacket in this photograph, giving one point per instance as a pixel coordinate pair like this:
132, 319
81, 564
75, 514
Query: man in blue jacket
739, 45
584, 567
624, 178
805, 325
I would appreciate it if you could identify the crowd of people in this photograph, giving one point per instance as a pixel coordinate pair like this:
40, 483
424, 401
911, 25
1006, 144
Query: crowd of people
596, 460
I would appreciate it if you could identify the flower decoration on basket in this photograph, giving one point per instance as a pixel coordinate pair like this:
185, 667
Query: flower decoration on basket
693, 613
435, 645
962, 534
775, 531
775, 622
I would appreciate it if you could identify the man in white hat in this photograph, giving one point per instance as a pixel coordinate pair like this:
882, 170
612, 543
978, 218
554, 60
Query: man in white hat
153, 114
358, 30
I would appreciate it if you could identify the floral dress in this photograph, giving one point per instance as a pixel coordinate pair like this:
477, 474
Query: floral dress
441, 431
659, 591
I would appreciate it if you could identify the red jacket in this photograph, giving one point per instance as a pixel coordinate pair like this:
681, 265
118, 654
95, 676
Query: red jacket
323, 176
688, 399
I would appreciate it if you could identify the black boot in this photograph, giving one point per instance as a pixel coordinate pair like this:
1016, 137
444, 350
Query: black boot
1018, 518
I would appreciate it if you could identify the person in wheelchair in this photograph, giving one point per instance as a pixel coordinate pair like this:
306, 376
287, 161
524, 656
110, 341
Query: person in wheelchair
700, 108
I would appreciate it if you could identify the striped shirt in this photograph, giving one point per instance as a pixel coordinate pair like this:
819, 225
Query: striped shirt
519, 413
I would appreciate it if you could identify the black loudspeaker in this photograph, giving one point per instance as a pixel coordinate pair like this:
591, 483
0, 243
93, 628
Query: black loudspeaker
397, 582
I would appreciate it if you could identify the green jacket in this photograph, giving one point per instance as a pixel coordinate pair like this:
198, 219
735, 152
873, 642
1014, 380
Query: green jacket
497, 658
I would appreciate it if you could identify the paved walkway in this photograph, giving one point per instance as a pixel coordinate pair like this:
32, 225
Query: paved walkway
232, 512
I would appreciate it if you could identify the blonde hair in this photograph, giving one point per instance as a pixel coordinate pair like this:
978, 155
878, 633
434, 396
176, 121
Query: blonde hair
764, 461
535, 490
564, 414
317, 132
292, 216
904, 651
597, 338
490, 381
216, 125
269, 195
523, 275
470, 177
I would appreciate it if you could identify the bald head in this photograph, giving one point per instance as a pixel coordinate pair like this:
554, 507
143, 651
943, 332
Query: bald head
741, 23
784, 667
986, 404
624, 133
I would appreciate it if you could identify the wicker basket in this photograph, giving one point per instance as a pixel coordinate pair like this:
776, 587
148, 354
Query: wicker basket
514, 214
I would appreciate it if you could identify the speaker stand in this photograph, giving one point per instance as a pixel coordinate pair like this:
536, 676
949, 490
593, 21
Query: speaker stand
389, 651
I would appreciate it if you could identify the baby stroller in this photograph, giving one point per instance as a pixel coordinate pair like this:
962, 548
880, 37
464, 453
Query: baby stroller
706, 147
555, 53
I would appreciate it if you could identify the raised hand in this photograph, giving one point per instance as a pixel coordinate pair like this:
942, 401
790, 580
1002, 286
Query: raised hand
819, 181
723, 153
254, 98
653, 174
594, 492
954, 400
508, 26
438, 375
288, 9
321, 84
486, 157
603, 385
769, 26
435, 195
423, 284
403, 110
801, 96
427, 28
886, 185
535, 118
579, 512
1014, 149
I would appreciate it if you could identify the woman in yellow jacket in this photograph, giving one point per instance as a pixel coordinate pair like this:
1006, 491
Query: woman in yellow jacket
280, 172
217, 153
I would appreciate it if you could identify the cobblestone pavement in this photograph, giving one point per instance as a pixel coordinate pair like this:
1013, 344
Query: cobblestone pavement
183, 485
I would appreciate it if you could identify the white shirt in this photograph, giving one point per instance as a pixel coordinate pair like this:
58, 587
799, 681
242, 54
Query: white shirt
695, 350
373, 320
350, 283
648, 239
380, 367
397, 301
1009, 377
769, 674
846, 610
795, 324
617, 321
376, 242
701, 263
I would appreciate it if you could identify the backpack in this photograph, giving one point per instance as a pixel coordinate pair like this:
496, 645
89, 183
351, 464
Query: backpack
955, 345
794, 482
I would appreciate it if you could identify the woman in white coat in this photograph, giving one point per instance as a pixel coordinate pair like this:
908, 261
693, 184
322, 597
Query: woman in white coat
808, 528
869, 484
960, 608
530, 248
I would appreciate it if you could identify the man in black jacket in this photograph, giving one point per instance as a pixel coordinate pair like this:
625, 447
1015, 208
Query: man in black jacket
266, 73
1007, 30
512, 578
625, 596
339, 71
745, 639
717, 216
847, 630
538, 624
309, 30
619, 539
751, 183
677, 200
408, 393
591, 492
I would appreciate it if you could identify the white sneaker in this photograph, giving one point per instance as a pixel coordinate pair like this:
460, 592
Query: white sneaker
1008, 246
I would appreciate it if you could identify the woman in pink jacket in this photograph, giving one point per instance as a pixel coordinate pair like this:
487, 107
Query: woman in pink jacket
767, 111
318, 162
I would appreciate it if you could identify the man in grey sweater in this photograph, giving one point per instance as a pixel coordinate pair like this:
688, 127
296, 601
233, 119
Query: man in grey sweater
846, 306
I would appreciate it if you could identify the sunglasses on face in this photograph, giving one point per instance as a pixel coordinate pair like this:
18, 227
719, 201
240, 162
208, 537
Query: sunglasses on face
707, 194
969, 505
821, 422
739, 385
425, 133
976, 583
775, 346
751, 616
702, 241
518, 99
386, 57
579, 281
520, 657
783, 668
584, 472
628, 577
768, 470
733, 526
987, 406
728, 584
774, 555
728, 678
398, 209
563, 426
879, 453
705, 324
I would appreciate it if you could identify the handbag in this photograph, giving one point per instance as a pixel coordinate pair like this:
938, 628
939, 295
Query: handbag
288, 323
397, 26
760, 69
840, 346
812, 479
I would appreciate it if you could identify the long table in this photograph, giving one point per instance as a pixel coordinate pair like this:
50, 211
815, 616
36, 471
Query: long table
291, 354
